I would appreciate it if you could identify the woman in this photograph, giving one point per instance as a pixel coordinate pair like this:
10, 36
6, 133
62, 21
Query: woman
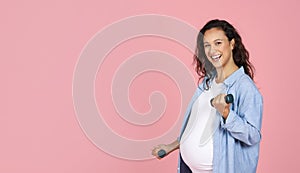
232, 145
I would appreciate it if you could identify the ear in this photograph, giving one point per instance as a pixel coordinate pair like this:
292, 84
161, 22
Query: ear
232, 43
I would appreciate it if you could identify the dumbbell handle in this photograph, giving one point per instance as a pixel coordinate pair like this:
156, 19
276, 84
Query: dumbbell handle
228, 99
161, 153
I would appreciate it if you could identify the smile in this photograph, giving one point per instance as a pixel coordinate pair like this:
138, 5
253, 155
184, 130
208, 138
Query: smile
216, 57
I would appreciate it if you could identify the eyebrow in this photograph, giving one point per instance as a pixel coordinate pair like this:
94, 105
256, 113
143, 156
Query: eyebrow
215, 40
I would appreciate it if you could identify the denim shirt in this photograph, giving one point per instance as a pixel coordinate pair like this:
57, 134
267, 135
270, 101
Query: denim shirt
236, 141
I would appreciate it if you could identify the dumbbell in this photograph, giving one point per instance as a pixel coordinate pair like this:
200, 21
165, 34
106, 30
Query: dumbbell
228, 99
161, 153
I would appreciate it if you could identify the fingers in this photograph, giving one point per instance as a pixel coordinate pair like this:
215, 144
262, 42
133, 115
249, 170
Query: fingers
156, 149
220, 104
219, 100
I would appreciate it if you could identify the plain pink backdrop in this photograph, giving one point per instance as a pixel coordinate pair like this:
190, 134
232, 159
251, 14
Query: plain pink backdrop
41, 42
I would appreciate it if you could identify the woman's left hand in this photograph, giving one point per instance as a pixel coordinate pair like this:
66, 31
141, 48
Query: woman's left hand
221, 106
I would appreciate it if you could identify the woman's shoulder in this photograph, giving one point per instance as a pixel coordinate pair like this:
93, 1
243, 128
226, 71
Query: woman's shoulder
245, 83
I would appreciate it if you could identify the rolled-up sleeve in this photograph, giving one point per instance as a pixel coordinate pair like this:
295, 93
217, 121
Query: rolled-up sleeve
244, 123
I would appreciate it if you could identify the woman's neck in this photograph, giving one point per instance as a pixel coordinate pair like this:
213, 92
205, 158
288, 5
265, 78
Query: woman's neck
224, 73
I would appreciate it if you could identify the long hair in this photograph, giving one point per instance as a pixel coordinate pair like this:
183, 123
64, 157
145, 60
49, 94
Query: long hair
204, 67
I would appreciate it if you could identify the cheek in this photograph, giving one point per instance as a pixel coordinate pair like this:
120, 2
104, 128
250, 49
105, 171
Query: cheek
226, 49
206, 51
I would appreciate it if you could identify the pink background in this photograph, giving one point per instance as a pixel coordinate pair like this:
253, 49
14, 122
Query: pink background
41, 43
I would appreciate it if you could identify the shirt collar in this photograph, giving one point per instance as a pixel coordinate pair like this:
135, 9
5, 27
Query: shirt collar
230, 79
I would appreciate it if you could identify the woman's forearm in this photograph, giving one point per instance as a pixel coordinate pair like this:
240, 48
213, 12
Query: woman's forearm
173, 146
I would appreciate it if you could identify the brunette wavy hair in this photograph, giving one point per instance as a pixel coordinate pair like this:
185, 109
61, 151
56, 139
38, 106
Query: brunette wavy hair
204, 68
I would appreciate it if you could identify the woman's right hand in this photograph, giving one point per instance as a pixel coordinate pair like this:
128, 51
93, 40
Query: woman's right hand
160, 147
168, 148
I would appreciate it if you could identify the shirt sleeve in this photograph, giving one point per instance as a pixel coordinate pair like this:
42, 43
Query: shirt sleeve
244, 124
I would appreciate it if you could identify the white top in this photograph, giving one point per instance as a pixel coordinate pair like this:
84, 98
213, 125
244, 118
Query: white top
199, 156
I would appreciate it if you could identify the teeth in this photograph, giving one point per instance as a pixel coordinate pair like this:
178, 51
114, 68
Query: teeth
216, 56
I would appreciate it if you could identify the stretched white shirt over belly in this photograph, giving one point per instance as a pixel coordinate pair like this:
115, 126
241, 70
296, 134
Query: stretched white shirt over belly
199, 157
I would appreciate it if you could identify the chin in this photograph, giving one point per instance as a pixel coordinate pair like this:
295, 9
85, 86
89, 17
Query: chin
217, 65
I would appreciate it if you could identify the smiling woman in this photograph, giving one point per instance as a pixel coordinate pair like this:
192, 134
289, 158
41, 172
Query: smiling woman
218, 50
219, 37
233, 129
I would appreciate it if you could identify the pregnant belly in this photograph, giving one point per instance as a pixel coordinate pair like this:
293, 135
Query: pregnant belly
195, 156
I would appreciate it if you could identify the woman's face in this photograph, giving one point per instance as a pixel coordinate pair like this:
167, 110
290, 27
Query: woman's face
217, 47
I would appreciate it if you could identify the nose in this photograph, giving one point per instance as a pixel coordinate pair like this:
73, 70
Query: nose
211, 50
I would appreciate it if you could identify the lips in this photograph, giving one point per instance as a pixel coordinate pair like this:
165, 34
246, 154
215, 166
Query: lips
216, 57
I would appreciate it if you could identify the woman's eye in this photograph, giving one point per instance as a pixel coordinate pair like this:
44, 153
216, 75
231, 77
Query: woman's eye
206, 45
218, 43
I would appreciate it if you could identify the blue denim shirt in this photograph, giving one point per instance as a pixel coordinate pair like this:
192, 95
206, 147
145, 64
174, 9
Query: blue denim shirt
236, 141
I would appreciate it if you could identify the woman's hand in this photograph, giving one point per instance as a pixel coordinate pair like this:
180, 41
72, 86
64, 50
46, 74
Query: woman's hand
221, 106
160, 147
168, 148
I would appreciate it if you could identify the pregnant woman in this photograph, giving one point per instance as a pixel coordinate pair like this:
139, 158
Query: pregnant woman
218, 136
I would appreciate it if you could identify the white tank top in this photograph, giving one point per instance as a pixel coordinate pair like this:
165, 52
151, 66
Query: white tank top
198, 157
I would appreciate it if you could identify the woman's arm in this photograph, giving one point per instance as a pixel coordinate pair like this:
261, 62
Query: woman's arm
244, 122
168, 148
